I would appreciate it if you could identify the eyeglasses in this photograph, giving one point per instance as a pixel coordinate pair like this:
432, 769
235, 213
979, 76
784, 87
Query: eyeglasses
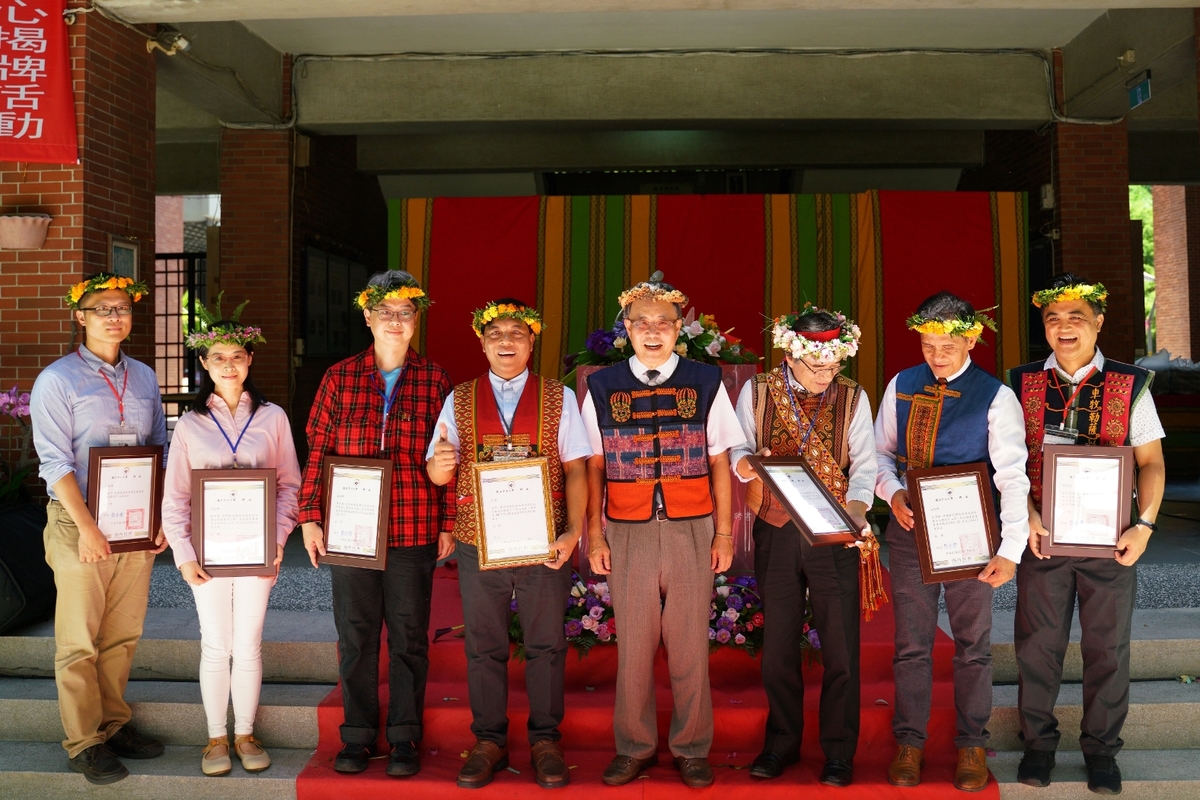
642, 325
108, 311
514, 334
387, 315
831, 370
219, 361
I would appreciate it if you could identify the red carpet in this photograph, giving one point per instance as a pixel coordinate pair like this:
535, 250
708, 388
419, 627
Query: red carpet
739, 708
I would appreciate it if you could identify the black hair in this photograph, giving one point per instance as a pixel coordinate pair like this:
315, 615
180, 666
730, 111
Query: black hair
207, 387
816, 322
1071, 279
945, 306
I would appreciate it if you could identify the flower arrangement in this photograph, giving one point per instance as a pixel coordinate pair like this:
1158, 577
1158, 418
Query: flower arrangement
374, 295
102, 282
14, 411
1091, 292
969, 327
824, 346
700, 339
529, 316
588, 620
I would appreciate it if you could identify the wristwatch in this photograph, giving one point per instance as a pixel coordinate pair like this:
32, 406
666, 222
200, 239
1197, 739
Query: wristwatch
1150, 525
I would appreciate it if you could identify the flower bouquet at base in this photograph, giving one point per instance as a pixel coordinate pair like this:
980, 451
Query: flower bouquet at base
18, 438
700, 339
736, 619
588, 620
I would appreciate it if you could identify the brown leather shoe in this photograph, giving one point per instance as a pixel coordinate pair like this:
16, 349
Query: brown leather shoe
549, 766
694, 772
482, 763
971, 775
905, 769
622, 769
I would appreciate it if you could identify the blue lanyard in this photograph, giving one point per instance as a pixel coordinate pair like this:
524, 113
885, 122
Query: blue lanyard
388, 402
234, 445
796, 411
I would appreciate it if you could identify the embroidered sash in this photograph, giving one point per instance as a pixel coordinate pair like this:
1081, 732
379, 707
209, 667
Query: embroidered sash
924, 417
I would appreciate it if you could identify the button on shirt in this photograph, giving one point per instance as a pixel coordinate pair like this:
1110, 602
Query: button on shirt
73, 410
1144, 424
572, 440
1006, 450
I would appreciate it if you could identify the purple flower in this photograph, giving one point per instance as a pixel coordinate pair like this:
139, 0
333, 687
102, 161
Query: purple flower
591, 601
600, 342
744, 580
573, 628
724, 623
602, 632
814, 639
712, 614
513, 605
711, 634
733, 601
606, 599
723, 636
596, 613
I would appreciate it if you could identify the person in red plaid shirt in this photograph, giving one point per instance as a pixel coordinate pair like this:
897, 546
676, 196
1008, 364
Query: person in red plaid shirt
383, 403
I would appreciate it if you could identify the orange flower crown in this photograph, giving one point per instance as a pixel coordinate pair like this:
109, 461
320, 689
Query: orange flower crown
530, 316
103, 282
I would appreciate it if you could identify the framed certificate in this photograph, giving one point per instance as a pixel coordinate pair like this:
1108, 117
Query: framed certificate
125, 494
233, 521
956, 527
1087, 499
513, 513
358, 498
816, 512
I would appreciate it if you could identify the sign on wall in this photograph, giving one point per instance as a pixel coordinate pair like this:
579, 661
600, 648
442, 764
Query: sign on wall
37, 105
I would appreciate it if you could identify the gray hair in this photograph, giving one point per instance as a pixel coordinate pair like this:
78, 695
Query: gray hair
946, 306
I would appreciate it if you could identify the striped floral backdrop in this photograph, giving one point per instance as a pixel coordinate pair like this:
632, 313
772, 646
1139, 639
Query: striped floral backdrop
742, 258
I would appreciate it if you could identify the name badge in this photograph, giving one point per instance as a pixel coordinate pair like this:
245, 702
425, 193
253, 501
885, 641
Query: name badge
120, 436
1060, 435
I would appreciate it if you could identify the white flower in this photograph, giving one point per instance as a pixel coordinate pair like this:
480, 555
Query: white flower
723, 591
694, 329
713, 347
731, 614
620, 342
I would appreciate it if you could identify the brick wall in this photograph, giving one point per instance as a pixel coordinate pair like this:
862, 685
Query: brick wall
110, 191
1176, 250
168, 223
1015, 161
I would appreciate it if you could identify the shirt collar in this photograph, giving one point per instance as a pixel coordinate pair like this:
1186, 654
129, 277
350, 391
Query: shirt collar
516, 384
215, 401
961, 370
665, 371
1097, 362
95, 362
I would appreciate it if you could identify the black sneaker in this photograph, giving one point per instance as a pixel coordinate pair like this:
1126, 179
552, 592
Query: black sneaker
1035, 766
1104, 776
405, 760
353, 758
99, 765
128, 743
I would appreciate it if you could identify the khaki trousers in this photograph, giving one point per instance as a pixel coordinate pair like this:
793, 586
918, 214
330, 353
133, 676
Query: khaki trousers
97, 624
661, 585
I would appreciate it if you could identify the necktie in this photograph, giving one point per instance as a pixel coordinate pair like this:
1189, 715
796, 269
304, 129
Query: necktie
652, 377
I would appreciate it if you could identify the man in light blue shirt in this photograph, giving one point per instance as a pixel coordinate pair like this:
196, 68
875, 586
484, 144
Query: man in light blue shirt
95, 396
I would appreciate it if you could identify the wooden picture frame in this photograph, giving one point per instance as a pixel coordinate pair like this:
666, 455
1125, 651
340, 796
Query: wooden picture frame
124, 256
149, 508
250, 479
772, 470
1119, 486
523, 517
365, 467
970, 480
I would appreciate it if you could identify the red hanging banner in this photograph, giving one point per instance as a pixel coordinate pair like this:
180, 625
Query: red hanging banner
37, 105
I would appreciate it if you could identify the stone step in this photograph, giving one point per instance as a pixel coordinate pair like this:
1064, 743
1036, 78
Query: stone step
169, 711
38, 771
1171, 774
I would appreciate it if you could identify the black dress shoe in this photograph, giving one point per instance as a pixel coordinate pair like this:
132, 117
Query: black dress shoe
1035, 766
405, 760
1104, 776
353, 758
837, 772
128, 743
770, 765
99, 765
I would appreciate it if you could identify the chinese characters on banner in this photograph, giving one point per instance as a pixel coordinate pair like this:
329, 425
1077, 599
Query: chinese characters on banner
37, 105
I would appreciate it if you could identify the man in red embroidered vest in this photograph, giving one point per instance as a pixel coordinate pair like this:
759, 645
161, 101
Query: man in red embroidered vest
943, 412
509, 415
661, 427
1078, 397
804, 407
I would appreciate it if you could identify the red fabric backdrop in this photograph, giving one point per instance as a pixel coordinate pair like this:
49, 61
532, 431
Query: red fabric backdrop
932, 242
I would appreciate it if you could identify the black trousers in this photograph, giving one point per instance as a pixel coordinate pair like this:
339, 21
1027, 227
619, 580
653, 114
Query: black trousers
785, 566
363, 601
1046, 593
541, 595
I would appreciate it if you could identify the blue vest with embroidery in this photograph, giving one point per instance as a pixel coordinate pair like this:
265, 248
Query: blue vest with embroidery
962, 410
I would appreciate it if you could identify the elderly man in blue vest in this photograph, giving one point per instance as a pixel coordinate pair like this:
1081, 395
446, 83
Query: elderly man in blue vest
947, 411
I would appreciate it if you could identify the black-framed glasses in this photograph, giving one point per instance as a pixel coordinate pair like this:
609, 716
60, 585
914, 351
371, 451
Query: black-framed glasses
108, 311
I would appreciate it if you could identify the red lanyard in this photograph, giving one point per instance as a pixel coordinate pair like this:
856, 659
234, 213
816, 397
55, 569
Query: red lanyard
120, 397
1068, 403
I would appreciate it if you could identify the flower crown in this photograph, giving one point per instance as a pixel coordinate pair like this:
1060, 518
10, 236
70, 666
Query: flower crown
211, 333
652, 289
374, 295
494, 311
959, 326
825, 346
1091, 292
102, 282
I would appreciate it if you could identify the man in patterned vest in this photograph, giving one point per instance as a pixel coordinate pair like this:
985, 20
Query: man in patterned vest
943, 412
661, 427
507, 415
805, 408
1077, 396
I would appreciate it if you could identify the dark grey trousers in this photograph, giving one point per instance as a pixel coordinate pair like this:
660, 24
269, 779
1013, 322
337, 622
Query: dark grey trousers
1046, 592
969, 605
541, 595
786, 567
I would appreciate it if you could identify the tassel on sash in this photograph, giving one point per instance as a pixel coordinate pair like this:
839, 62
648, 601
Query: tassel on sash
871, 591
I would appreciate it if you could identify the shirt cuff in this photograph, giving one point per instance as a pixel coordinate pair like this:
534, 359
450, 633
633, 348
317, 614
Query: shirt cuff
862, 497
889, 488
1012, 549
183, 553
308, 515
736, 474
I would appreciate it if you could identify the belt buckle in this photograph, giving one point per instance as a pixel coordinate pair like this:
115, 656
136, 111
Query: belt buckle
660, 514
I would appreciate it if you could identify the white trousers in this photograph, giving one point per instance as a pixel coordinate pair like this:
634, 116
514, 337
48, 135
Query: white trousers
232, 612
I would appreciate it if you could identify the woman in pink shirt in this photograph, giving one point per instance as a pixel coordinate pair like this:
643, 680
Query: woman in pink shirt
230, 425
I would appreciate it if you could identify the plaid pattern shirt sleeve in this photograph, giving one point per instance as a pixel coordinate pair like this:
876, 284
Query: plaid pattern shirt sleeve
347, 419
